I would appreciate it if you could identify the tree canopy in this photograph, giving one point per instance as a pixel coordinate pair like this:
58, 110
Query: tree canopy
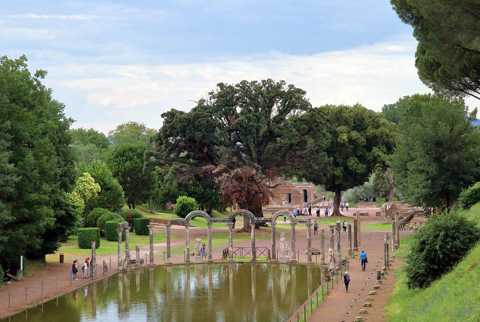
89, 145
448, 34
438, 150
36, 165
342, 146
240, 128
132, 133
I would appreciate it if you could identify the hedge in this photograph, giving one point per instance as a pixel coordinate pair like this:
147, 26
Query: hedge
129, 215
107, 217
92, 217
87, 235
111, 230
470, 196
141, 226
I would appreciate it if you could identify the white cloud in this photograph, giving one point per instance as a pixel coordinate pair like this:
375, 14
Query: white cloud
372, 75
67, 17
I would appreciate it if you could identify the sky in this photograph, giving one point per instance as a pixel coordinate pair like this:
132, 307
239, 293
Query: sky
111, 62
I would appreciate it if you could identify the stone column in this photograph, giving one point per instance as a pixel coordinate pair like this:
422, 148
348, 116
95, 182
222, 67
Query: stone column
397, 227
119, 249
385, 251
394, 231
274, 242
338, 229
332, 237
230, 241
355, 234
93, 262
137, 255
150, 235
167, 237
292, 242
127, 249
252, 237
322, 245
187, 243
350, 248
209, 241
309, 240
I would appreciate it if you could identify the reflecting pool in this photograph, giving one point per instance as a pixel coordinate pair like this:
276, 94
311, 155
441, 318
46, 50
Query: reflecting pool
205, 292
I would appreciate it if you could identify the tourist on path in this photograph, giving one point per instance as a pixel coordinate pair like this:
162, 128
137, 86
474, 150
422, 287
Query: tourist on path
363, 260
346, 281
318, 212
74, 270
315, 229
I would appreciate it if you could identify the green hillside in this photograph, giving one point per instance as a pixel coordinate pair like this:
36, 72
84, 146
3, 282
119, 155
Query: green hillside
455, 297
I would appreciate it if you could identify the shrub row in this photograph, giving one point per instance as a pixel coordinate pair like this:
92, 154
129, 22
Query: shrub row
111, 232
141, 226
87, 235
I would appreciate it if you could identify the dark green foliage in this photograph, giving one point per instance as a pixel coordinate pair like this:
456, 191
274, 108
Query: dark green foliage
107, 217
86, 236
36, 165
88, 145
470, 196
2, 273
185, 205
92, 217
438, 247
448, 52
127, 164
111, 232
438, 150
129, 215
342, 146
140, 226
111, 195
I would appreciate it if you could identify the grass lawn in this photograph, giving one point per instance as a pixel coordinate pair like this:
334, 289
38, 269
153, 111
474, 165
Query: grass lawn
382, 227
454, 297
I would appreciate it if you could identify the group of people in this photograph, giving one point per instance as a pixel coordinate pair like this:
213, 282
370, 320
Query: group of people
85, 268
363, 263
327, 211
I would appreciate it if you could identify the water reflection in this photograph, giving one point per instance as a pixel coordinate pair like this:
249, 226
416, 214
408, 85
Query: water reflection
229, 292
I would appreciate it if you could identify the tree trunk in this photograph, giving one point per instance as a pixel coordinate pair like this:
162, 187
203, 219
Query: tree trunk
336, 203
254, 206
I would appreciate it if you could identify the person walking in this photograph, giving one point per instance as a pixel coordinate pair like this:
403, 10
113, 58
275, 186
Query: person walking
346, 281
315, 229
74, 270
363, 259
318, 211
326, 211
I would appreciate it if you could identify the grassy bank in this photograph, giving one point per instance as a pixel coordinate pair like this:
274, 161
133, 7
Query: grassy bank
454, 297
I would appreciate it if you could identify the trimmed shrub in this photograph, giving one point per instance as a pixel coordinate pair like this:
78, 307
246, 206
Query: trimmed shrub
107, 217
438, 247
111, 233
185, 205
470, 196
86, 236
141, 226
92, 217
129, 215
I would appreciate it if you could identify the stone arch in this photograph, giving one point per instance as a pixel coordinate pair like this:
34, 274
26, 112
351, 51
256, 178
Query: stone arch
293, 222
245, 213
188, 218
197, 213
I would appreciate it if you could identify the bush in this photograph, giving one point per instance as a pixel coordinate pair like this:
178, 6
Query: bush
185, 205
107, 217
141, 226
470, 196
129, 215
86, 236
438, 247
92, 217
111, 233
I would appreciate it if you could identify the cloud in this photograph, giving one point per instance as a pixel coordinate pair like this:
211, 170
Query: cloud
67, 17
373, 76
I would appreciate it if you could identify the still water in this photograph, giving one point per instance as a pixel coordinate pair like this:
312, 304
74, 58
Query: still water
203, 293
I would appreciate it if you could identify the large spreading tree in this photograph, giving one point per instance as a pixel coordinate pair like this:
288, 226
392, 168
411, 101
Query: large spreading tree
448, 34
341, 147
239, 135
36, 165
438, 150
